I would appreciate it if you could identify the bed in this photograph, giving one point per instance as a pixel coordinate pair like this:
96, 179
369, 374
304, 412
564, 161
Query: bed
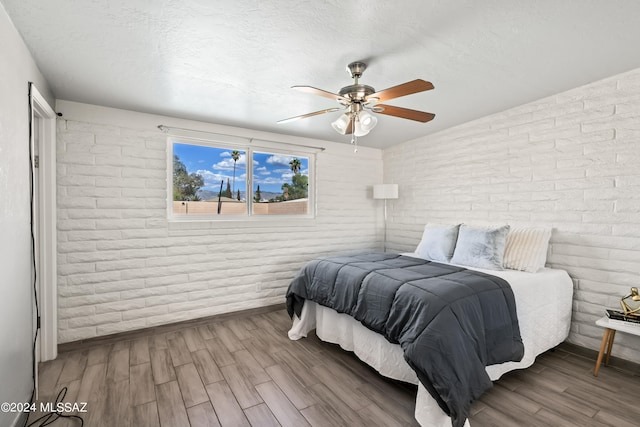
543, 303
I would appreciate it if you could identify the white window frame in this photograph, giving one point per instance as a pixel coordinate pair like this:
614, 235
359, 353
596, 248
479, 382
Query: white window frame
249, 146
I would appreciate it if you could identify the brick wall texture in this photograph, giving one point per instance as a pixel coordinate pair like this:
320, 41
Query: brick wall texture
123, 266
569, 161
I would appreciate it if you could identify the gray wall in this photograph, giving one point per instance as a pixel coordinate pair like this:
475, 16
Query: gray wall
17, 68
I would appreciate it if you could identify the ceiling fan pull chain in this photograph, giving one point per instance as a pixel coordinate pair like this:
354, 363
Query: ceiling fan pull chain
354, 137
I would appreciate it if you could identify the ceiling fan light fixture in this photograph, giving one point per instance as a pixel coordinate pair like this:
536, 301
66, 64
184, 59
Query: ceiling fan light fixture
341, 124
367, 120
357, 131
354, 99
364, 123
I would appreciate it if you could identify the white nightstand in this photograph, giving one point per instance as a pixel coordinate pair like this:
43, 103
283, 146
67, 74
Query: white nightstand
610, 328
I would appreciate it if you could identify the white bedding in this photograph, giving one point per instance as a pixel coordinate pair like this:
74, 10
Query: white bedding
543, 304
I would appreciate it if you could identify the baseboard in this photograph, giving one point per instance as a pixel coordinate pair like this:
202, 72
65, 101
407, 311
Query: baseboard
130, 335
614, 362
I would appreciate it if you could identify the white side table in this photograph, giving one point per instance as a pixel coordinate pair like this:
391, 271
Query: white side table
610, 328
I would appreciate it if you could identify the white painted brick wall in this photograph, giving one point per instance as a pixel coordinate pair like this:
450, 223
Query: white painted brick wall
123, 266
570, 161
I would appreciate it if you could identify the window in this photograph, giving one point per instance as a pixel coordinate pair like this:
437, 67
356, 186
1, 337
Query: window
280, 184
226, 181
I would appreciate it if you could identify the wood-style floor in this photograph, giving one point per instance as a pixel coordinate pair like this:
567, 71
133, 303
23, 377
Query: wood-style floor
242, 370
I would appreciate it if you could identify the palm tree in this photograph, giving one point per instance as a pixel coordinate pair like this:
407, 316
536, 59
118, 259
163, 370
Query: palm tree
295, 166
235, 155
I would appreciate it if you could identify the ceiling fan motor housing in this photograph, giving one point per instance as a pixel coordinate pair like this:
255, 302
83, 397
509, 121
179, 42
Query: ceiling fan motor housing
356, 93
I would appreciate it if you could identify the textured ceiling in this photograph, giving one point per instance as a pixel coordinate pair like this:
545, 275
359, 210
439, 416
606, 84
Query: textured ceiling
233, 62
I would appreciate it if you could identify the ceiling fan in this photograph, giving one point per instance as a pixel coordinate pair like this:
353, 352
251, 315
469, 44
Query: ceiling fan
358, 100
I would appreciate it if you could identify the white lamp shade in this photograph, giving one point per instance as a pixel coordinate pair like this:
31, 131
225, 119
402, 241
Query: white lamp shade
385, 191
365, 123
341, 124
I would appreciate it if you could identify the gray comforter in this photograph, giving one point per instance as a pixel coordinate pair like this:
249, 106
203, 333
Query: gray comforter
450, 322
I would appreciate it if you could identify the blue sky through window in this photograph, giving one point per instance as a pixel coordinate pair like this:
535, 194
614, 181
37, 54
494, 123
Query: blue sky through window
270, 170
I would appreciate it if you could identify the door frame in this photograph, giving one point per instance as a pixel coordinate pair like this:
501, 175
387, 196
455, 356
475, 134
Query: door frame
47, 274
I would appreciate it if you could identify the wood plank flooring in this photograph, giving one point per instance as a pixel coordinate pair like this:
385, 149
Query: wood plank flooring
243, 371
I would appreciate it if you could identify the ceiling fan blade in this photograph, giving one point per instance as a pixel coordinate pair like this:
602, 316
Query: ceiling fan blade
320, 92
404, 89
405, 113
304, 116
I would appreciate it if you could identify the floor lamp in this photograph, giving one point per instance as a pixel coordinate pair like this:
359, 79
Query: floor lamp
385, 192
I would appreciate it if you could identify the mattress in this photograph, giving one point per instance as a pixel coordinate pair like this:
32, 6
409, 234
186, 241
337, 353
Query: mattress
543, 303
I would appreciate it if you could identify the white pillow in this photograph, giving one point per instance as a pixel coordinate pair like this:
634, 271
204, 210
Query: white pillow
526, 248
481, 247
438, 242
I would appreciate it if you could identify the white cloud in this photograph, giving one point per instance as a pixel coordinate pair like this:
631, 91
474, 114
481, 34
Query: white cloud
280, 160
227, 163
285, 175
268, 180
212, 180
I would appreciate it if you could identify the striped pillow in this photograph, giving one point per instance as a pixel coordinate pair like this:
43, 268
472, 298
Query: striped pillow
526, 248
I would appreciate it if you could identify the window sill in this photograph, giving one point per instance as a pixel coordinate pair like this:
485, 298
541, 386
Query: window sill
208, 223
